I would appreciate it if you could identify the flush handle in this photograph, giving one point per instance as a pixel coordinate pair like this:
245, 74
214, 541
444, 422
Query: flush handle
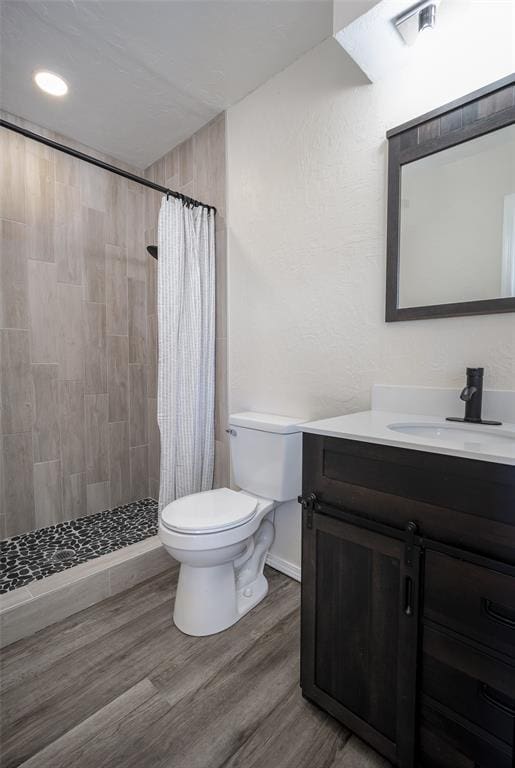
231, 432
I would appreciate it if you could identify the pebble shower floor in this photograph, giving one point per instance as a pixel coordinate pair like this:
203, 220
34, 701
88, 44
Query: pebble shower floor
34, 555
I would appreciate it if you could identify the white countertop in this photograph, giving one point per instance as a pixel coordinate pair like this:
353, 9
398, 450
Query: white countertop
373, 427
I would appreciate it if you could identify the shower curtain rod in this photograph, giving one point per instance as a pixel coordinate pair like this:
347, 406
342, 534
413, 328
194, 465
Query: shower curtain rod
105, 166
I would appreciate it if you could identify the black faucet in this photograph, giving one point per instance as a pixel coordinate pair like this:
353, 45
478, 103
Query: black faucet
472, 395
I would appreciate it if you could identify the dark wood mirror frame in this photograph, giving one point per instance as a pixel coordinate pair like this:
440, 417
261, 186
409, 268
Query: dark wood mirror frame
476, 114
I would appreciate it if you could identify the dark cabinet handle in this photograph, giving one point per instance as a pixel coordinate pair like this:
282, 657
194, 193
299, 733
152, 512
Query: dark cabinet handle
489, 695
408, 596
498, 613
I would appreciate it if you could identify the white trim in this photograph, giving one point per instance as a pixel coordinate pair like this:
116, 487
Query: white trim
284, 566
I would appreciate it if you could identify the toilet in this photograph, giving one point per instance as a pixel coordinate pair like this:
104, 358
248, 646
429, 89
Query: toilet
221, 537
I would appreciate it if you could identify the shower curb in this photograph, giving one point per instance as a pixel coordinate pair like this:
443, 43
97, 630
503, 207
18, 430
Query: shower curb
41, 603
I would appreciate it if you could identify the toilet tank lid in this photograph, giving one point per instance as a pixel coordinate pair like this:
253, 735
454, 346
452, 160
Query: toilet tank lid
266, 422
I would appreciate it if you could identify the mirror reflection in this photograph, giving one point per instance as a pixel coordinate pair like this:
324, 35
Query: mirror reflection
457, 223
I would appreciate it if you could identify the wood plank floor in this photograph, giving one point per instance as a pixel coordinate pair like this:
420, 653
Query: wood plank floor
118, 685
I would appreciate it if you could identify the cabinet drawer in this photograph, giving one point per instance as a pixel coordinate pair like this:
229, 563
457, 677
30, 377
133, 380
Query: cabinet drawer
472, 600
435, 752
444, 739
470, 696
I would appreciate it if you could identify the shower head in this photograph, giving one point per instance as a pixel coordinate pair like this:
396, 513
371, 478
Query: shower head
152, 249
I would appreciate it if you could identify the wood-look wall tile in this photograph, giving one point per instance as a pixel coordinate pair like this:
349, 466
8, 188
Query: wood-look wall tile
18, 483
149, 173
172, 168
221, 476
96, 412
93, 228
152, 203
118, 377
71, 426
152, 355
154, 443
187, 189
13, 275
45, 425
97, 497
119, 464
70, 331
74, 496
116, 213
151, 239
216, 163
137, 321
202, 166
136, 246
135, 187
160, 171
185, 162
95, 348
12, 173
94, 187
221, 284
221, 389
209, 164
68, 235
2, 484
47, 493
40, 207
116, 290
138, 404
153, 488
67, 169
43, 305
15, 382
139, 472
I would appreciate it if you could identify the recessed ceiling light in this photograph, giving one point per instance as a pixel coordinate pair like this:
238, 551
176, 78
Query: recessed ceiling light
51, 83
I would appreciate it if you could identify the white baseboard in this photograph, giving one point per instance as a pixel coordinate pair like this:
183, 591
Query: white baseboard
284, 566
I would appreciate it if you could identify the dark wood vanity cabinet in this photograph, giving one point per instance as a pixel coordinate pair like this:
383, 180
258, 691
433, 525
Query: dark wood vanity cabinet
408, 601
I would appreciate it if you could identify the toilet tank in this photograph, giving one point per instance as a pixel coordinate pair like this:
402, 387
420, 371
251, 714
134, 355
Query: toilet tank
266, 454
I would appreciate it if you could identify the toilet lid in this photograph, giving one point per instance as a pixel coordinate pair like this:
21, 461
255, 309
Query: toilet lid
209, 511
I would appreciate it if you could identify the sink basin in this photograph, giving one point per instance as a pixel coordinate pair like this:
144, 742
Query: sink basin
471, 437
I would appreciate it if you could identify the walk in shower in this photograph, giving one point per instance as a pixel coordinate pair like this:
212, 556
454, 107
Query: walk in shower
80, 443
80, 452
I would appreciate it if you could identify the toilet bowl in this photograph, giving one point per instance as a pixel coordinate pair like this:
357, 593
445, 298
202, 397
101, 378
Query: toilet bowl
221, 537
221, 574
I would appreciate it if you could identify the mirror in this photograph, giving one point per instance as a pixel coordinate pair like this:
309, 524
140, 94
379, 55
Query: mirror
457, 223
451, 210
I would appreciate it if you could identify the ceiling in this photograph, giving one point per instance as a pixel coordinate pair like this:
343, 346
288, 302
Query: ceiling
470, 33
146, 74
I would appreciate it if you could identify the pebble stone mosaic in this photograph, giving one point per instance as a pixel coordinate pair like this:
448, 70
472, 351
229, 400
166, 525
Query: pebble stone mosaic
34, 555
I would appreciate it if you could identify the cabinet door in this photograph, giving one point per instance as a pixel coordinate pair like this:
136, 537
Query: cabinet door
359, 631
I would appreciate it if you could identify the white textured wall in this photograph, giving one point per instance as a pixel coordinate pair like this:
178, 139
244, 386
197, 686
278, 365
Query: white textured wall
306, 226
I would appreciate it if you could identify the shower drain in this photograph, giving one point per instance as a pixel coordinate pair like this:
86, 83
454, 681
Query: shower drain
59, 555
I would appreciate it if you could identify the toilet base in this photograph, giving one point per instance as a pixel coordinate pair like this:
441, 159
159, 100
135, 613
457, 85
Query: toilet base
207, 601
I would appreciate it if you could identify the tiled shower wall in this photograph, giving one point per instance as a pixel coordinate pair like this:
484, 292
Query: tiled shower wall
197, 169
78, 339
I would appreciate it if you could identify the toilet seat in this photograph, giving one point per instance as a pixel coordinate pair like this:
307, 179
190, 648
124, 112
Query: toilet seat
209, 512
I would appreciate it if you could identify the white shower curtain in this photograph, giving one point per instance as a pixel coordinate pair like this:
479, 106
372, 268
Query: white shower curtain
186, 334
